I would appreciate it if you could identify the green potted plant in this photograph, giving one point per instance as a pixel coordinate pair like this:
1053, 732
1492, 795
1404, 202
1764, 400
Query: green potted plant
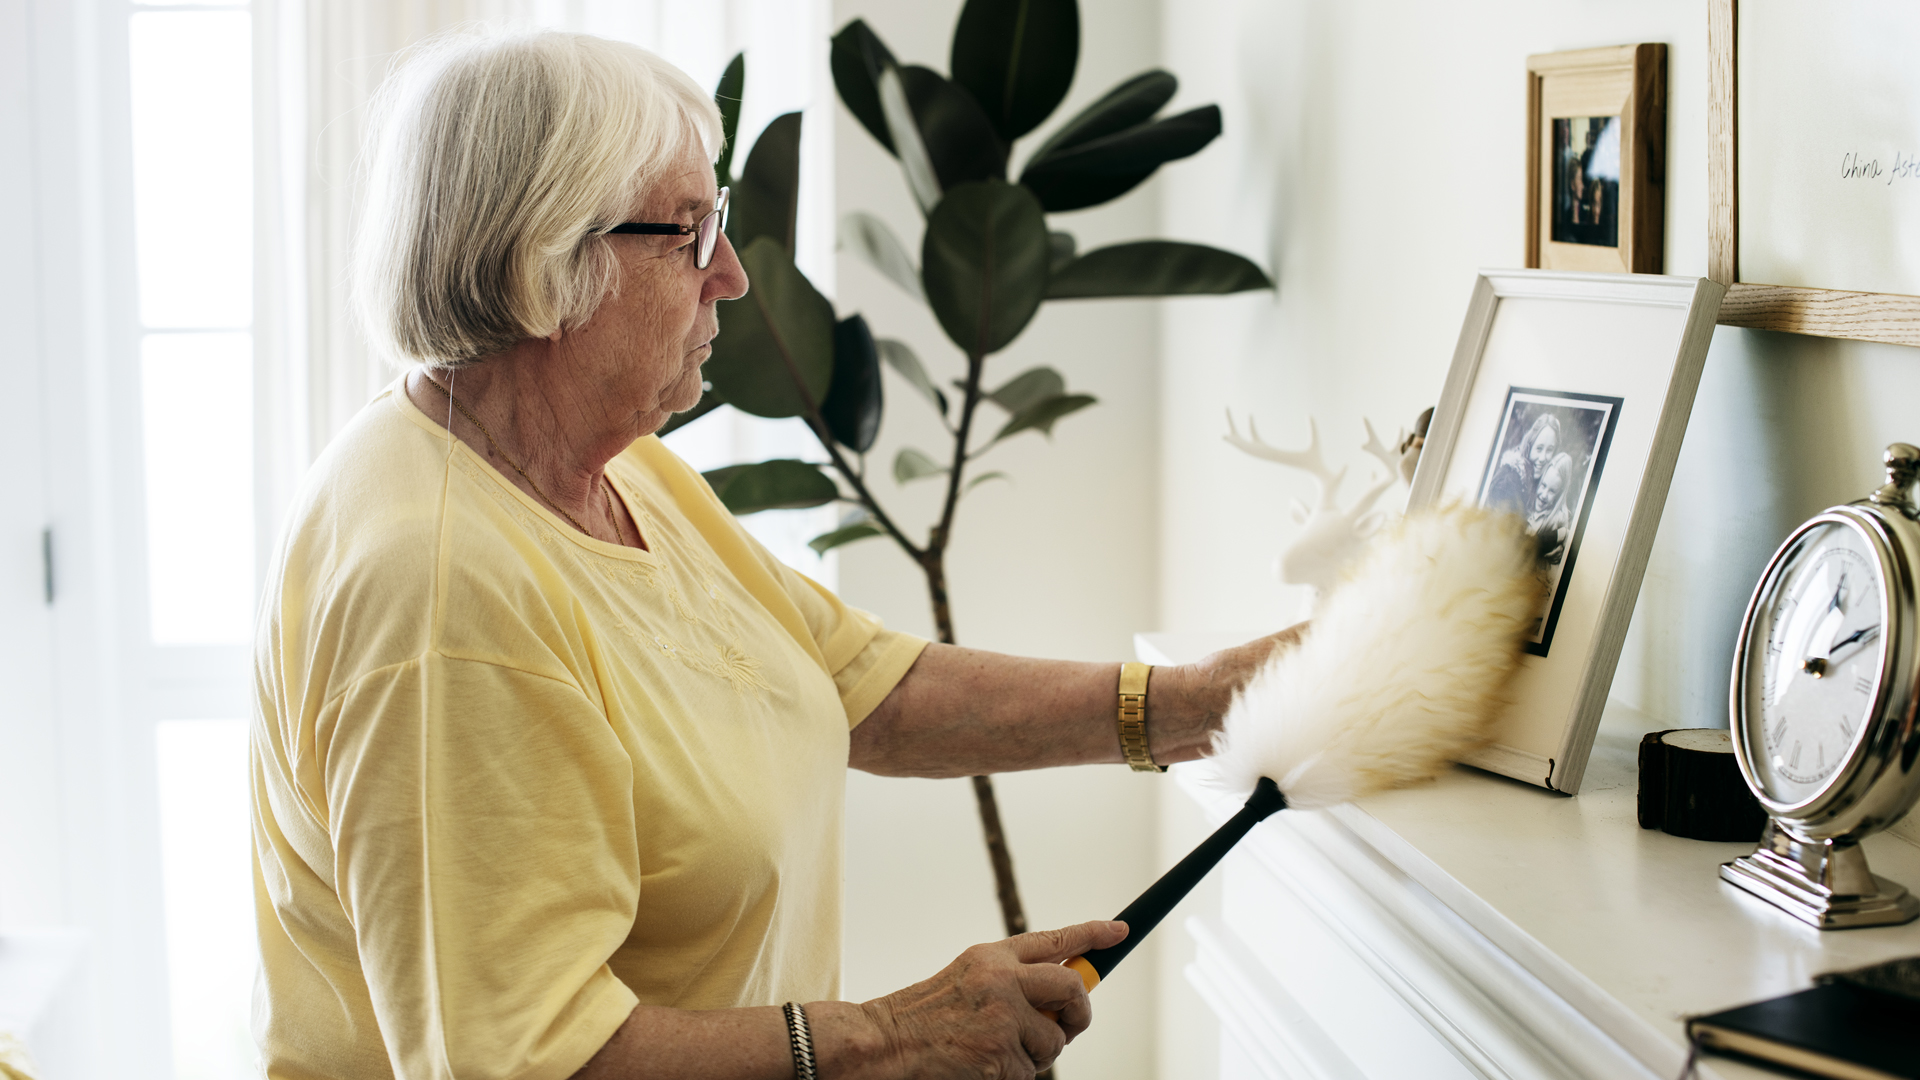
989, 258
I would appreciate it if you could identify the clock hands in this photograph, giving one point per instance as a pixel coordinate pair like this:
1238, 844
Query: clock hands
1818, 666
1863, 636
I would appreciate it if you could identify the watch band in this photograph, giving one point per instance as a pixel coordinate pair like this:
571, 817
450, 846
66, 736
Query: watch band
1133, 718
800, 1037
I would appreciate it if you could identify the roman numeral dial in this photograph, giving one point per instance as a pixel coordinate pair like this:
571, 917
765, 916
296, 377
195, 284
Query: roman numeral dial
1815, 652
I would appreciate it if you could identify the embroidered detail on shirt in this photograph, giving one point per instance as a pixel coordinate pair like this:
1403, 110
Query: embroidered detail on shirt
533, 523
741, 671
725, 657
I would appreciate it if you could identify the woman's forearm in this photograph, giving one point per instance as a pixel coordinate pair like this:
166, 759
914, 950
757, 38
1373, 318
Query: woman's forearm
1005, 1008
733, 1044
961, 712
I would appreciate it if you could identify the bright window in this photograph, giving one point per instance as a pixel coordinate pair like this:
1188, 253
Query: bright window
190, 74
191, 77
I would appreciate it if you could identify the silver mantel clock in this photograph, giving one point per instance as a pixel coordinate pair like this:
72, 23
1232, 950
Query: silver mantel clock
1824, 703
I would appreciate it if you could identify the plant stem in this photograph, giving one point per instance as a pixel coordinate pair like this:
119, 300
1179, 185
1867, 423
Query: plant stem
932, 560
858, 482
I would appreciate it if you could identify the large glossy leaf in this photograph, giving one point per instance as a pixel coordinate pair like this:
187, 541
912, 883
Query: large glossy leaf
869, 237
984, 260
781, 484
852, 408
1156, 268
766, 200
709, 401
934, 127
774, 355
727, 97
1132, 102
1108, 167
1029, 388
1041, 415
858, 57
910, 465
826, 542
907, 144
902, 359
1017, 57
960, 139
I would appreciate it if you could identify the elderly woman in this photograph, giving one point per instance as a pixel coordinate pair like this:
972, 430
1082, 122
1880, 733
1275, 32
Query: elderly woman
550, 755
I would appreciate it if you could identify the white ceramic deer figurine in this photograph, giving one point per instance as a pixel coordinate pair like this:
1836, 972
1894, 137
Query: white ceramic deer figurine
1332, 536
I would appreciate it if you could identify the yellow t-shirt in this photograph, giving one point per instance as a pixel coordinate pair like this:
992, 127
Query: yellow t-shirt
509, 780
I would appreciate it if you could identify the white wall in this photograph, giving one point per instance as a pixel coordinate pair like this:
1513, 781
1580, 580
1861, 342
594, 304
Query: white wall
1061, 562
1383, 166
1375, 154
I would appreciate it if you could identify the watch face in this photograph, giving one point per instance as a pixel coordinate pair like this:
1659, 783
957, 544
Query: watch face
1815, 651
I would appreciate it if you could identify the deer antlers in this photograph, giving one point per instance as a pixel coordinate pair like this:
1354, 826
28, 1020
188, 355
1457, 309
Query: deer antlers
1308, 460
1379, 450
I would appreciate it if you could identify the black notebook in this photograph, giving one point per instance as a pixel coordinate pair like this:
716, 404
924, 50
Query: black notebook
1855, 1025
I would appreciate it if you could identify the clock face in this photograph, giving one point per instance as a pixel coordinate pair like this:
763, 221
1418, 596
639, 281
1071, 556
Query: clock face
1815, 651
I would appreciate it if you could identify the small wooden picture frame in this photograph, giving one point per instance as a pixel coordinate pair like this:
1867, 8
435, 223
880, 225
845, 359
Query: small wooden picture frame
1596, 159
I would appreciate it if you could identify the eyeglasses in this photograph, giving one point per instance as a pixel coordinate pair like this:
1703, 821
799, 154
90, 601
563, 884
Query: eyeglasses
706, 232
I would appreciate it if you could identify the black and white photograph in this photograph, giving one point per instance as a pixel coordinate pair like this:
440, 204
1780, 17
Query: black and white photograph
1545, 465
1586, 180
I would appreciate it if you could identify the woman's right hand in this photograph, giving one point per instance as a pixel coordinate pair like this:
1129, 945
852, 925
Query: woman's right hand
980, 1016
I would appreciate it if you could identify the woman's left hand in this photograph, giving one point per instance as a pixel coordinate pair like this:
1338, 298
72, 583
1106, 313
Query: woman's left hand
1209, 684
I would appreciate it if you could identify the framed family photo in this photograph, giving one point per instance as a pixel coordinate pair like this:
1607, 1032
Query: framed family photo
1596, 159
1545, 464
1565, 404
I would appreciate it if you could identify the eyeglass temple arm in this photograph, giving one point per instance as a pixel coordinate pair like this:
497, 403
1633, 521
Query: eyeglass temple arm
654, 228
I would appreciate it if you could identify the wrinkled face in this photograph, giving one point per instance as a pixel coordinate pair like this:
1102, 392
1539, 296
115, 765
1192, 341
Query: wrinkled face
1544, 446
642, 350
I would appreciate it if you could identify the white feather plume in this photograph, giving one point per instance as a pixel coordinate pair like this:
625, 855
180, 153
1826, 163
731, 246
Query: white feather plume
1403, 669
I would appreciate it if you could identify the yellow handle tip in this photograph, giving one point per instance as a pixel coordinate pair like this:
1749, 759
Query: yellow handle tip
1088, 978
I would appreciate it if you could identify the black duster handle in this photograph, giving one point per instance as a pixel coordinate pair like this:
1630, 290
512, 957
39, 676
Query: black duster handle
1162, 896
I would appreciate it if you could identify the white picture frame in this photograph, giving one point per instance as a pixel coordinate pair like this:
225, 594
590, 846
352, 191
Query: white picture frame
1567, 399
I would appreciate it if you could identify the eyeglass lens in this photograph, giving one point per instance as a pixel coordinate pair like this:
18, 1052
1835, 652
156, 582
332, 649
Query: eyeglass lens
709, 234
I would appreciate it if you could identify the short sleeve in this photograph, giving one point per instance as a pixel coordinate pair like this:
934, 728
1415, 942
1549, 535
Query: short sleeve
875, 670
484, 839
865, 659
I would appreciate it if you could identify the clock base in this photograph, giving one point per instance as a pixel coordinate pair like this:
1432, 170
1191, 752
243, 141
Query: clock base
1824, 883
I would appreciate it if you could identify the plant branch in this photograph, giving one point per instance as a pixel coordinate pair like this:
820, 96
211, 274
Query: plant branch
818, 425
976, 366
858, 483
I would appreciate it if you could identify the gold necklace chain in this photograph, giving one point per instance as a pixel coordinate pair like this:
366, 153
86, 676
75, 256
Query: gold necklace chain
613, 519
502, 454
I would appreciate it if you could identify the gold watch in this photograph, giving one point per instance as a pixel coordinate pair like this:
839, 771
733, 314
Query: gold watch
1133, 718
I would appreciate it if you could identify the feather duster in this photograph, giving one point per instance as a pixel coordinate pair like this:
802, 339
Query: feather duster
1402, 671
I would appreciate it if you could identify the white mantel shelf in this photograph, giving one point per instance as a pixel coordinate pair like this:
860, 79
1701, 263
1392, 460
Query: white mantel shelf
1481, 927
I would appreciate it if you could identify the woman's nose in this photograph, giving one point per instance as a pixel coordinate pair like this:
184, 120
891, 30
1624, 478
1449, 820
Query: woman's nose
726, 278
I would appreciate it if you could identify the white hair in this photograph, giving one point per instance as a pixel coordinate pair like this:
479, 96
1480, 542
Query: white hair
495, 165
